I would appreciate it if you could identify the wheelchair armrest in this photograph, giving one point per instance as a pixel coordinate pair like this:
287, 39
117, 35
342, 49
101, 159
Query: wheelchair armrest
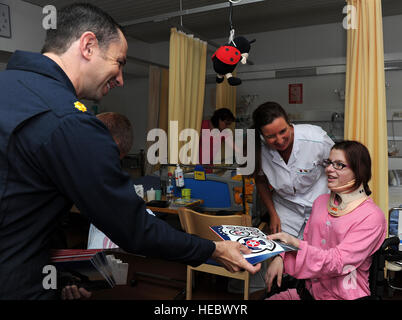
388, 249
393, 241
393, 255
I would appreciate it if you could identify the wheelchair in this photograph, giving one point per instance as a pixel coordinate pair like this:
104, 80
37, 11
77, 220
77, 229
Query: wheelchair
377, 282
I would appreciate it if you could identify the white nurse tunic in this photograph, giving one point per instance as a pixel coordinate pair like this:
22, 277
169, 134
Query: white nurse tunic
299, 182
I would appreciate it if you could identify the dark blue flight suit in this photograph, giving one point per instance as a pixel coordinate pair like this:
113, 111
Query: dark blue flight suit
53, 154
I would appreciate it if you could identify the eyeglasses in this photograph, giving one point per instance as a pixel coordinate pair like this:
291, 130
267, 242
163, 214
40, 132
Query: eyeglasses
335, 164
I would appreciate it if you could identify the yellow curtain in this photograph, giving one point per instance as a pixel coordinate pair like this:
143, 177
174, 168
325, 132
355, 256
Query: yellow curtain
187, 70
164, 100
365, 103
153, 108
157, 106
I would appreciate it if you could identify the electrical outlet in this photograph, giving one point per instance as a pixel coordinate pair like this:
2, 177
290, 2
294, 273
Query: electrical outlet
5, 25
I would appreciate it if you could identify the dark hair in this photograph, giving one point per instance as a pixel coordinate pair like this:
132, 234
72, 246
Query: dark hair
75, 19
359, 161
120, 128
223, 114
265, 114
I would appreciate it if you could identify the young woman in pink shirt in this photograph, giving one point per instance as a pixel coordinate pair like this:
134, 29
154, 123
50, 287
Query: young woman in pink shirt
345, 229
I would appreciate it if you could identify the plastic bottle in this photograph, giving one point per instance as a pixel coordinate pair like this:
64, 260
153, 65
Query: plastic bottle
169, 187
179, 177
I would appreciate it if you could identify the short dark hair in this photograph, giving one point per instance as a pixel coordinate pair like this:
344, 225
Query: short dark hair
120, 129
75, 19
359, 161
223, 114
267, 113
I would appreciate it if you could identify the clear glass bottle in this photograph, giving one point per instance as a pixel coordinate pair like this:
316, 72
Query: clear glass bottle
169, 187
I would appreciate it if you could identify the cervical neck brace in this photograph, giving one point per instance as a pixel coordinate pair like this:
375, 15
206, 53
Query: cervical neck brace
342, 202
344, 188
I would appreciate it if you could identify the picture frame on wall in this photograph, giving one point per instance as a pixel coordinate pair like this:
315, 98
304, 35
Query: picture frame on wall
296, 93
5, 23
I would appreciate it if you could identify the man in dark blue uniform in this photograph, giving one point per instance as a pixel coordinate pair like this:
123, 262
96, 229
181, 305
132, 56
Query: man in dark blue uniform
53, 153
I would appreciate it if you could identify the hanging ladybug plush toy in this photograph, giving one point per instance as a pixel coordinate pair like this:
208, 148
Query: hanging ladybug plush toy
226, 58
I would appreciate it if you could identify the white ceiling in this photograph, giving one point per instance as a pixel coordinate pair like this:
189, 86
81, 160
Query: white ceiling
251, 16
209, 19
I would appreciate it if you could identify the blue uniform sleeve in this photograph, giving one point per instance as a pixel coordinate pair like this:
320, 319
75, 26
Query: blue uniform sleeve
82, 160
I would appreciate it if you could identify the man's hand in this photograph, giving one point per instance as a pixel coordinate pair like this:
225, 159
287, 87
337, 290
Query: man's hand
274, 224
72, 293
229, 254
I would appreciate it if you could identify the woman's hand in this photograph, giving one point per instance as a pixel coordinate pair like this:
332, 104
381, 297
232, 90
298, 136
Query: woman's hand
285, 238
275, 269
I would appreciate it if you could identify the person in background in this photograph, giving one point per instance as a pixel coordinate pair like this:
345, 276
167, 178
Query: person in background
345, 229
221, 119
54, 153
120, 129
288, 173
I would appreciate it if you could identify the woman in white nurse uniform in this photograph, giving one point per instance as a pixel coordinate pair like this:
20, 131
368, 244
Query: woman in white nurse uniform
289, 175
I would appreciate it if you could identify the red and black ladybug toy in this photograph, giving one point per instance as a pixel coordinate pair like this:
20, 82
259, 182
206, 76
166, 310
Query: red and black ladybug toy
226, 58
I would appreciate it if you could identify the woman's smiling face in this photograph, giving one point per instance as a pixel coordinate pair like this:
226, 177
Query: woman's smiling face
278, 134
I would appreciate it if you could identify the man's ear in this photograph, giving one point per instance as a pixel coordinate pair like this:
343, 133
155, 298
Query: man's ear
88, 44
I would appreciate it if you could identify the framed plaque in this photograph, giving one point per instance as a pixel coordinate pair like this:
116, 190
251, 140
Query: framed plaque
296, 93
5, 24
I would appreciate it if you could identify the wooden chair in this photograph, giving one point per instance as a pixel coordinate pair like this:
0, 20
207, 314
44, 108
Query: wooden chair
197, 223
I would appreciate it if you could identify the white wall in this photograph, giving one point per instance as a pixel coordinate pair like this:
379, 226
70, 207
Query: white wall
393, 51
132, 101
392, 37
319, 45
298, 47
27, 32
292, 48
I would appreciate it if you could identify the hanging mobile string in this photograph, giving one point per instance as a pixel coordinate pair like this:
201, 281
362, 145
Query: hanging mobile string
232, 31
181, 17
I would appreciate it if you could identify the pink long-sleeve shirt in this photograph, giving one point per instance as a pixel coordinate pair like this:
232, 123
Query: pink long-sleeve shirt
335, 255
